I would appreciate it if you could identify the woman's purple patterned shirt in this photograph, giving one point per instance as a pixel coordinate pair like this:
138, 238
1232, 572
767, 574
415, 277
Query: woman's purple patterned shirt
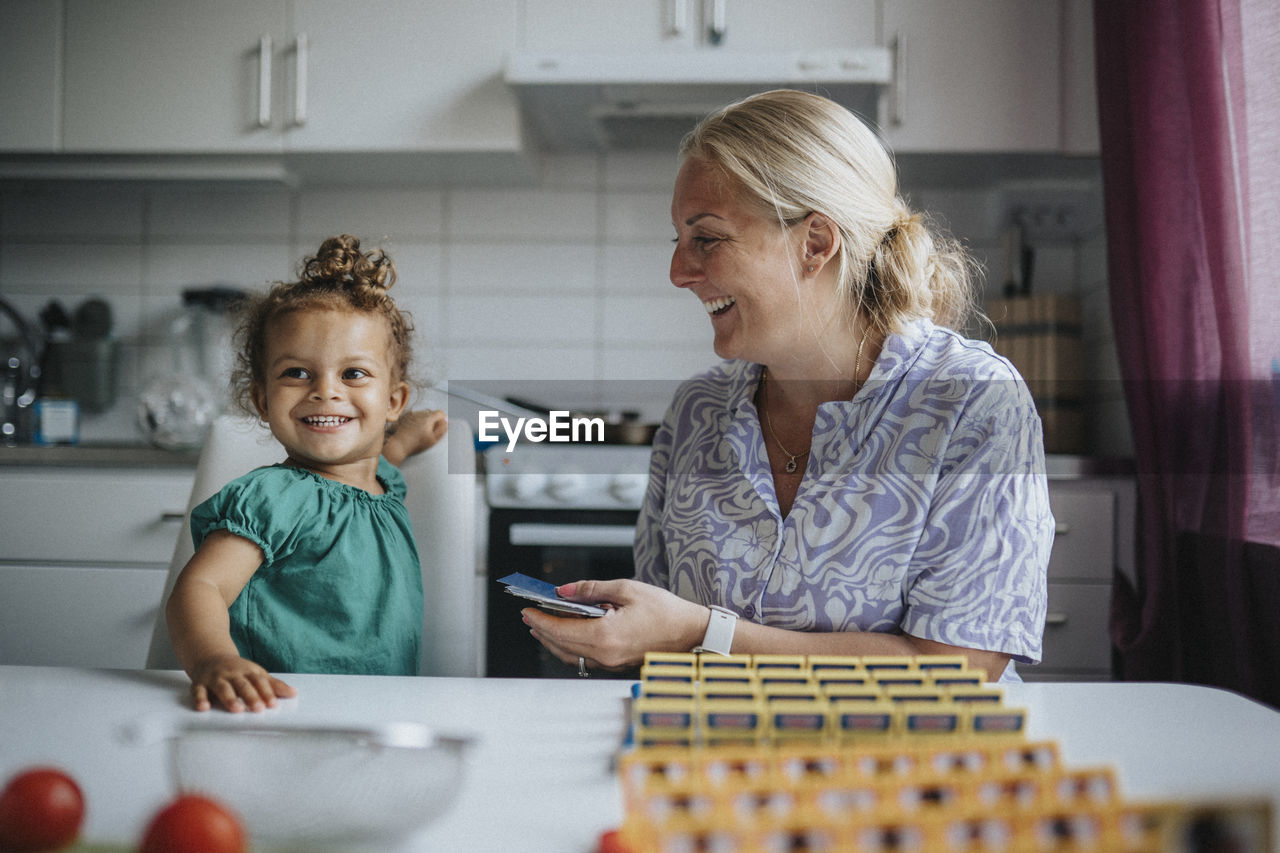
924, 506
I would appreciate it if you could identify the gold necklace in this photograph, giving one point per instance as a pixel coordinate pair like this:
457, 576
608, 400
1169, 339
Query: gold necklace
791, 465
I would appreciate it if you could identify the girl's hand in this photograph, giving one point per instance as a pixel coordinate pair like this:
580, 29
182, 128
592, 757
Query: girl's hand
237, 684
414, 433
641, 618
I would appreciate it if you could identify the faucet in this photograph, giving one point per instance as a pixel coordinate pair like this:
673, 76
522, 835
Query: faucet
20, 382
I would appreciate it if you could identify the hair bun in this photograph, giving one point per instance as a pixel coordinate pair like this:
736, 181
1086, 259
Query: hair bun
340, 263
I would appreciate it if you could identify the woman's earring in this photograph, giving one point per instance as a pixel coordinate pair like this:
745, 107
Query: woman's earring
810, 267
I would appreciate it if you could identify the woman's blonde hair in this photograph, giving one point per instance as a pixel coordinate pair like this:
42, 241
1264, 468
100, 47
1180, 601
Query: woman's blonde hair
338, 277
790, 153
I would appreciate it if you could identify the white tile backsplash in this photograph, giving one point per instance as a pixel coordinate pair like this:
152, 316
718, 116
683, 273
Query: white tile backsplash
87, 269
519, 363
387, 219
247, 264
638, 217
531, 214
637, 270
206, 215
54, 211
676, 317
641, 170
526, 269
521, 320
567, 279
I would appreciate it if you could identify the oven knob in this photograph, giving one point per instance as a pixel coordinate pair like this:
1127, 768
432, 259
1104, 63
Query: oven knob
628, 488
565, 487
525, 486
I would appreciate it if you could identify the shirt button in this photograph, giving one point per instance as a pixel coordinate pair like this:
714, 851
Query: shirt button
749, 611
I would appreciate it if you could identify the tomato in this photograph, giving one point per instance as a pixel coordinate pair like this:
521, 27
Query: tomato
194, 824
40, 809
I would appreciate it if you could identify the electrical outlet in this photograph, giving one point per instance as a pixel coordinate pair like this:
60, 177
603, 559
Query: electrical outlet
1053, 212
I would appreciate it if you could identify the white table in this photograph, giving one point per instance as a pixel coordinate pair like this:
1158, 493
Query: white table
539, 776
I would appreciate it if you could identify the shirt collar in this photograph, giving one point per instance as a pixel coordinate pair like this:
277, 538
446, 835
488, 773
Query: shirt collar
899, 353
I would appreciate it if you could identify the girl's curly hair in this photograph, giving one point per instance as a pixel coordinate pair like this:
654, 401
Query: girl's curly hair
339, 276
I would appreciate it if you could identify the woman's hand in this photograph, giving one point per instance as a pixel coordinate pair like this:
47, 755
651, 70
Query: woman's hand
237, 685
414, 433
641, 618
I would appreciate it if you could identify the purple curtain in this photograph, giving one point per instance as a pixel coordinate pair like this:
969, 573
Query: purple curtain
1174, 109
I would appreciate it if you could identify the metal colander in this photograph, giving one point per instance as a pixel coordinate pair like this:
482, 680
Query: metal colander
307, 786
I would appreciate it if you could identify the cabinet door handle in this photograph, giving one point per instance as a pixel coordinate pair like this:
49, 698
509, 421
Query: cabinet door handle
1055, 619
172, 516
898, 108
716, 30
300, 50
264, 81
679, 17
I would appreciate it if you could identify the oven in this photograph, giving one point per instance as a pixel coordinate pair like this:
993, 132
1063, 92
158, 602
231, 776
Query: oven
559, 513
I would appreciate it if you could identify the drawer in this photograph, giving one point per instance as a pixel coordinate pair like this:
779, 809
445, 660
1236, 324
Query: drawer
1077, 631
1084, 539
78, 615
92, 515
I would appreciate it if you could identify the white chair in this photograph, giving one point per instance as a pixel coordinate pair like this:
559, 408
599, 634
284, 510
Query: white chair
441, 500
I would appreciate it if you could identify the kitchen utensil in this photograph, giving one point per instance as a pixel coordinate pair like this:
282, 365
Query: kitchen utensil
310, 786
82, 357
178, 405
92, 320
19, 377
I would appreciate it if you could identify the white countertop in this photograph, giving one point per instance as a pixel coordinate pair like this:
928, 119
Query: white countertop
539, 775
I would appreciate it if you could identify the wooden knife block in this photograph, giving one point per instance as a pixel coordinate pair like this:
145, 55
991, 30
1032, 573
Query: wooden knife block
1041, 335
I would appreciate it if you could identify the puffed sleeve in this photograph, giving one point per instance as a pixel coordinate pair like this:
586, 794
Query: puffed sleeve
980, 567
241, 508
392, 479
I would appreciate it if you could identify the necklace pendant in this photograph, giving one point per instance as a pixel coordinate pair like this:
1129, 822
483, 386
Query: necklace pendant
791, 465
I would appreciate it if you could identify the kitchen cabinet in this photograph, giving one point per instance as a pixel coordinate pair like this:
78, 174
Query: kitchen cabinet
84, 554
973, 75
166, 76
1094, 539
389, 75
252, 77
684, 25
30, 51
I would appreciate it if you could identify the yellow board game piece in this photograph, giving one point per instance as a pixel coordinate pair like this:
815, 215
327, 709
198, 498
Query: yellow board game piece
931, 718
731, 721
710, 664
688, 659
789, 719
855, 719
772, 662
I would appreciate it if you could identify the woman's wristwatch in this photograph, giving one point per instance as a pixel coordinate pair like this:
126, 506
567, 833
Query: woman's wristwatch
719, 637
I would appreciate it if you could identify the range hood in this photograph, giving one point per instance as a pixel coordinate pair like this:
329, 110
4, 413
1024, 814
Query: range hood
585, 101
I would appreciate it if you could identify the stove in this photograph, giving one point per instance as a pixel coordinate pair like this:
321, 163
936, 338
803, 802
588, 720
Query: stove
567, 476
561, 513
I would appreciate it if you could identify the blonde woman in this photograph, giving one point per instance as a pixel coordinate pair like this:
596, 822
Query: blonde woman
856, 477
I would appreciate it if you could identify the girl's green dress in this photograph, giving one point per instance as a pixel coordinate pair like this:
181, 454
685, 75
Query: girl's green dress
340, 586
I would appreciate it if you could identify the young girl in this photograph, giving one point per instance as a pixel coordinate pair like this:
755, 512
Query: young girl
309, 565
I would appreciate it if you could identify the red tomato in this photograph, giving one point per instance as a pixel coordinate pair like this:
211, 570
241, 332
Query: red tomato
40, 809
194, 824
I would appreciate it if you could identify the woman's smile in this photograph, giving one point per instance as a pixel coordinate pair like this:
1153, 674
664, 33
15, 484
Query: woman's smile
716, 307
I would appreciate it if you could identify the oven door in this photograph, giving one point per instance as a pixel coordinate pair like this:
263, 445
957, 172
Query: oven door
557, 546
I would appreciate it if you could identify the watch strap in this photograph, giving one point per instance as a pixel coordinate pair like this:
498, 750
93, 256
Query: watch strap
719, 637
